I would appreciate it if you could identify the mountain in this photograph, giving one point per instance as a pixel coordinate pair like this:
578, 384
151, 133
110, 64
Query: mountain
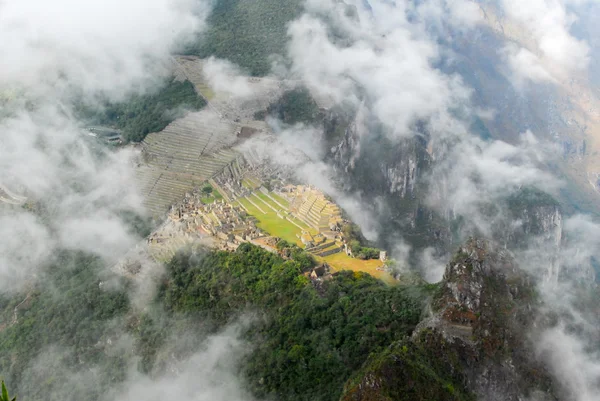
346, 200
471, 343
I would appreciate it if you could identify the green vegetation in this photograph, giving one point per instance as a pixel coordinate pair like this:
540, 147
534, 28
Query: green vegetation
306, 340
4, 396
209, 195
143, 114
422, 369
314, 338
280, 199
356, 240
247, 32
138, 225
295, 106
270, 222
69, 310
363, 252
340, 261
293, 251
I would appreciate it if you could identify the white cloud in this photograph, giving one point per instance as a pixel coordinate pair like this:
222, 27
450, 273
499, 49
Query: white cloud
110, 46
53, 52
226, 78
577, 369
557, 52
474, 172
387, 59
525, 66
208, 375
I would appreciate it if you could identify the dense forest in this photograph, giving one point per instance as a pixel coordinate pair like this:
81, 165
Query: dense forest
307, 338
248, 33
294, 106
143, 114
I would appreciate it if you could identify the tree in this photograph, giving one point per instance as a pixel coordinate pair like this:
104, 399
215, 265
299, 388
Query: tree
5, 396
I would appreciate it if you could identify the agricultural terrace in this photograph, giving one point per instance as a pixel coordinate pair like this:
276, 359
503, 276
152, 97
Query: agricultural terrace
269, 221
182, 157
241, 108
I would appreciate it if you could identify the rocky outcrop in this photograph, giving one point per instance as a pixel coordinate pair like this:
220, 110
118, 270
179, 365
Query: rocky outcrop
347, 151
473, 342
486, 307
378, 165
401, 174
371, 164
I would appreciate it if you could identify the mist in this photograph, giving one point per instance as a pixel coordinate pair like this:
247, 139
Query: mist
386, 61
58, 55
393, 65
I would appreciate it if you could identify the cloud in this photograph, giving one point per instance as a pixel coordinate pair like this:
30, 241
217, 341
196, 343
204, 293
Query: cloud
432, 266
557, 53
525, 66
24, 244
567, 337
207, 372
474, 172
208, 375
460, 15
225, 78
55, 53
385, 58
577, 369
107, 46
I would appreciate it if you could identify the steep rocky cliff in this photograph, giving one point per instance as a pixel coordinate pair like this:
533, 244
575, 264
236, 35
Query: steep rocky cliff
473, 342
393, 173
397, 174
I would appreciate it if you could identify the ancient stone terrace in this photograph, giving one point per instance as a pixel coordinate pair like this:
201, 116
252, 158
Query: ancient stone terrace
311, 206
194, 219
263, 91
182, 156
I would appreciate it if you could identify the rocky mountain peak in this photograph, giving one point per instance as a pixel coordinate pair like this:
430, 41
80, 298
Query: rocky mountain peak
474, 343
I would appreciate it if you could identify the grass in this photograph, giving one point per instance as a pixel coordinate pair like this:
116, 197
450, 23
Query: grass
250, 183
341, 261
266, 199
280, 199
302, 224
273, 224
206, 91
212, 197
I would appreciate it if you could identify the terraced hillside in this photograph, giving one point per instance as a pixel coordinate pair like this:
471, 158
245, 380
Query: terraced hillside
263, 91
182, 156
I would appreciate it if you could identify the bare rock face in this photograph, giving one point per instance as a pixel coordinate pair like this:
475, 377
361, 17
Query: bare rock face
401, 174
474, 342
487, 307
379, 166
348, 149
